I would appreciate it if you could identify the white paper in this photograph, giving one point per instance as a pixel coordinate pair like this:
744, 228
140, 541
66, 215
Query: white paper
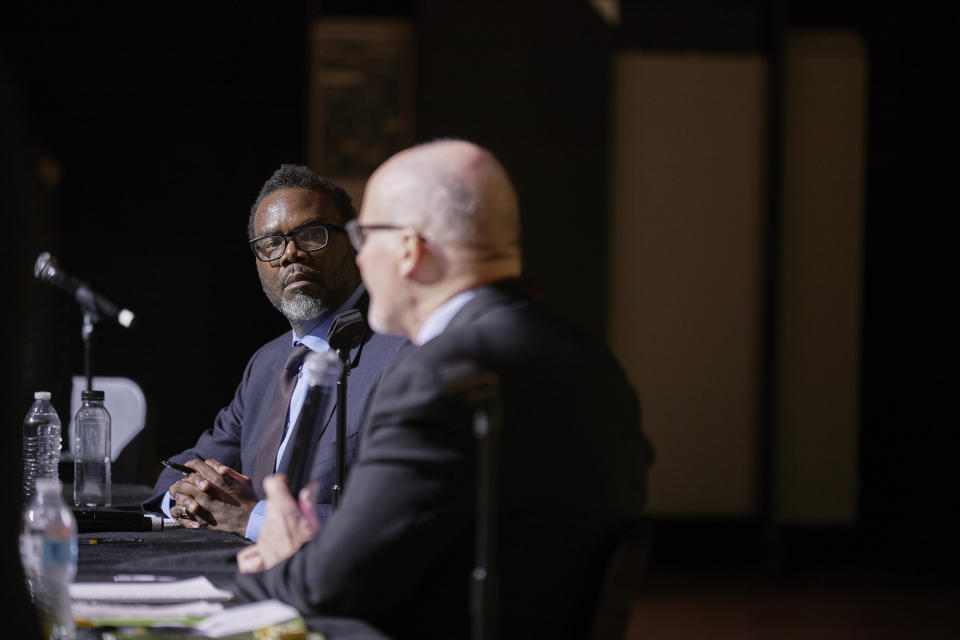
89, 610
247, 617
179, 591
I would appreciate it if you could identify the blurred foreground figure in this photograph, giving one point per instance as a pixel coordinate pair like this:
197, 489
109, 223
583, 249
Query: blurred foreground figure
437, 243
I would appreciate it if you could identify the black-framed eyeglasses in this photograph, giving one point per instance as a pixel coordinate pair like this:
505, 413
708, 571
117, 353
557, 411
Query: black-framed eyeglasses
358, 232
312, 238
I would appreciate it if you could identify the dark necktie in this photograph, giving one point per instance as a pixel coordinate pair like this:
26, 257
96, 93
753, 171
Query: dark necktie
277, 418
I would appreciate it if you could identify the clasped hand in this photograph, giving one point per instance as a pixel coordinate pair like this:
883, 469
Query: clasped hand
214, 496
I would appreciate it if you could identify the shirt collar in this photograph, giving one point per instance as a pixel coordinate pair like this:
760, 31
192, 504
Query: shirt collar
316, 338
436, 323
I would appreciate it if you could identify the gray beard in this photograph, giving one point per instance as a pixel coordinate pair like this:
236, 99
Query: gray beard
301, 308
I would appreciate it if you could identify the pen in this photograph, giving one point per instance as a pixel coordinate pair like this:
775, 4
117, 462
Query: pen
108, 540
176, 466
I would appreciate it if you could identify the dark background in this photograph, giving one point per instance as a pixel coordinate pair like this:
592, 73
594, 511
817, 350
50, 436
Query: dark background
133, 141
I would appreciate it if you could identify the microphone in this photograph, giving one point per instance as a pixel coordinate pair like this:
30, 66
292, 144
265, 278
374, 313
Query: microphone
321, 371
346, 331
47, 269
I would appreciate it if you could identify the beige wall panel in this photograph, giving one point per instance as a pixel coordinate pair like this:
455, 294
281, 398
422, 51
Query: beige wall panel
686, 250
824, 146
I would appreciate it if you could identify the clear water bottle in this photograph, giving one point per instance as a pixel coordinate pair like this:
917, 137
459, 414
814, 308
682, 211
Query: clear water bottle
41, 442
48, 552
91, 451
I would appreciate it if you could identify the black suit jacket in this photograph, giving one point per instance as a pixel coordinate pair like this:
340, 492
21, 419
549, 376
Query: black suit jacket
235, 436
573, 462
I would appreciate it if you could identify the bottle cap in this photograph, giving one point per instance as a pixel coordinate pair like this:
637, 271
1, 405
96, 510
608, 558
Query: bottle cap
41, 395
91, 395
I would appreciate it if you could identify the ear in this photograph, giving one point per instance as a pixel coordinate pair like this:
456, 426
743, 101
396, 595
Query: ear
412, 254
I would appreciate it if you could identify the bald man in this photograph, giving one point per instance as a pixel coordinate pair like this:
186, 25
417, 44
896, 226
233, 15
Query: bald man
438, 248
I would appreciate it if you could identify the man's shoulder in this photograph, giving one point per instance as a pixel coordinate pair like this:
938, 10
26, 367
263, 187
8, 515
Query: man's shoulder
502, 330
383, 342
383, 351
276, 349
282, 342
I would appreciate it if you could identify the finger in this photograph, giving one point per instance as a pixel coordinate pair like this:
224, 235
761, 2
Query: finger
187, 486
187, 523
180, 486
307, 501
276, 491
249, 560
206, 477
218, 466
200, 509
229, 475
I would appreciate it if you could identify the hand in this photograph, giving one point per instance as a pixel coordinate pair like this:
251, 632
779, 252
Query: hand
286, 526
215, 496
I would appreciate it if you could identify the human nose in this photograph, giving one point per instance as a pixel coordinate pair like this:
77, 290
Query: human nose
291, 252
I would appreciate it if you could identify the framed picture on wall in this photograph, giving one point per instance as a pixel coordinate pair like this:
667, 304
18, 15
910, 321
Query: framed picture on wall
360, 97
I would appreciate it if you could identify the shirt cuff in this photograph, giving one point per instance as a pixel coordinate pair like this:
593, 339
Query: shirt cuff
165, 503
256, 521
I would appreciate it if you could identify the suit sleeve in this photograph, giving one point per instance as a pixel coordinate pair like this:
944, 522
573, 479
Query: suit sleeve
408, 498
222, 441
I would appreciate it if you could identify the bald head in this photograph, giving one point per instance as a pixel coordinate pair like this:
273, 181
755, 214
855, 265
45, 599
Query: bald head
441, 218
457, 195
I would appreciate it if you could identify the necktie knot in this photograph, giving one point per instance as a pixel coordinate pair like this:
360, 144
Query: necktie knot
295, 360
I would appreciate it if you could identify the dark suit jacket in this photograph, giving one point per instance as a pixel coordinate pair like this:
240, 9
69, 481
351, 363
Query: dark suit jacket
573, 464
235, 436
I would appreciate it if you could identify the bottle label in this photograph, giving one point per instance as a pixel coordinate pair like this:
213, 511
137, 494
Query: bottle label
59, 552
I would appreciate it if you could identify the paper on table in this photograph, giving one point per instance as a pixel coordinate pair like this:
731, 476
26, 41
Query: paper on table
247, 617
180, 591
100, 612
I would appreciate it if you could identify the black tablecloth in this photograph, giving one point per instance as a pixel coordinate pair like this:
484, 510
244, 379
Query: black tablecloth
180, 553
123, 496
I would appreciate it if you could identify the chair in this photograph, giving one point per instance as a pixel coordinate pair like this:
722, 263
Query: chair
124, 401
621, 585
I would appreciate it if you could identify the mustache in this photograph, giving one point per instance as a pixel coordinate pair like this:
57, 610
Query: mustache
298, 268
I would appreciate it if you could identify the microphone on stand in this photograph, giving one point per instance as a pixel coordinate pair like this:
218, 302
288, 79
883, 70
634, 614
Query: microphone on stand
321, 370
47, 269
479, 389
345, 332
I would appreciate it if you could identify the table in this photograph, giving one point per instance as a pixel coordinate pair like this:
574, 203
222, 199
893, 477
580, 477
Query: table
182, 553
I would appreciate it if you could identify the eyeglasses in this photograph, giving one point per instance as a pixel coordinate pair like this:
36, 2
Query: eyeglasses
358, 232
313, 238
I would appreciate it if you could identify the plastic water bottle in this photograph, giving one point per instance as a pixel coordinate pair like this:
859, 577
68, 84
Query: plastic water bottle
91, 451
41, 442
48, 552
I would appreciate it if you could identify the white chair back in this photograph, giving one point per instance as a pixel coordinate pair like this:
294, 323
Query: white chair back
124, 401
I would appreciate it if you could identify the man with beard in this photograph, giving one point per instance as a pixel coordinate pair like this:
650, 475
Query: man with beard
308, 271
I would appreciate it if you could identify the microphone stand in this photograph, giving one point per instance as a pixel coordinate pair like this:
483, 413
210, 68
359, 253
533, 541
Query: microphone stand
46, 268
340, 462
90, 317
345, 333
480, 390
